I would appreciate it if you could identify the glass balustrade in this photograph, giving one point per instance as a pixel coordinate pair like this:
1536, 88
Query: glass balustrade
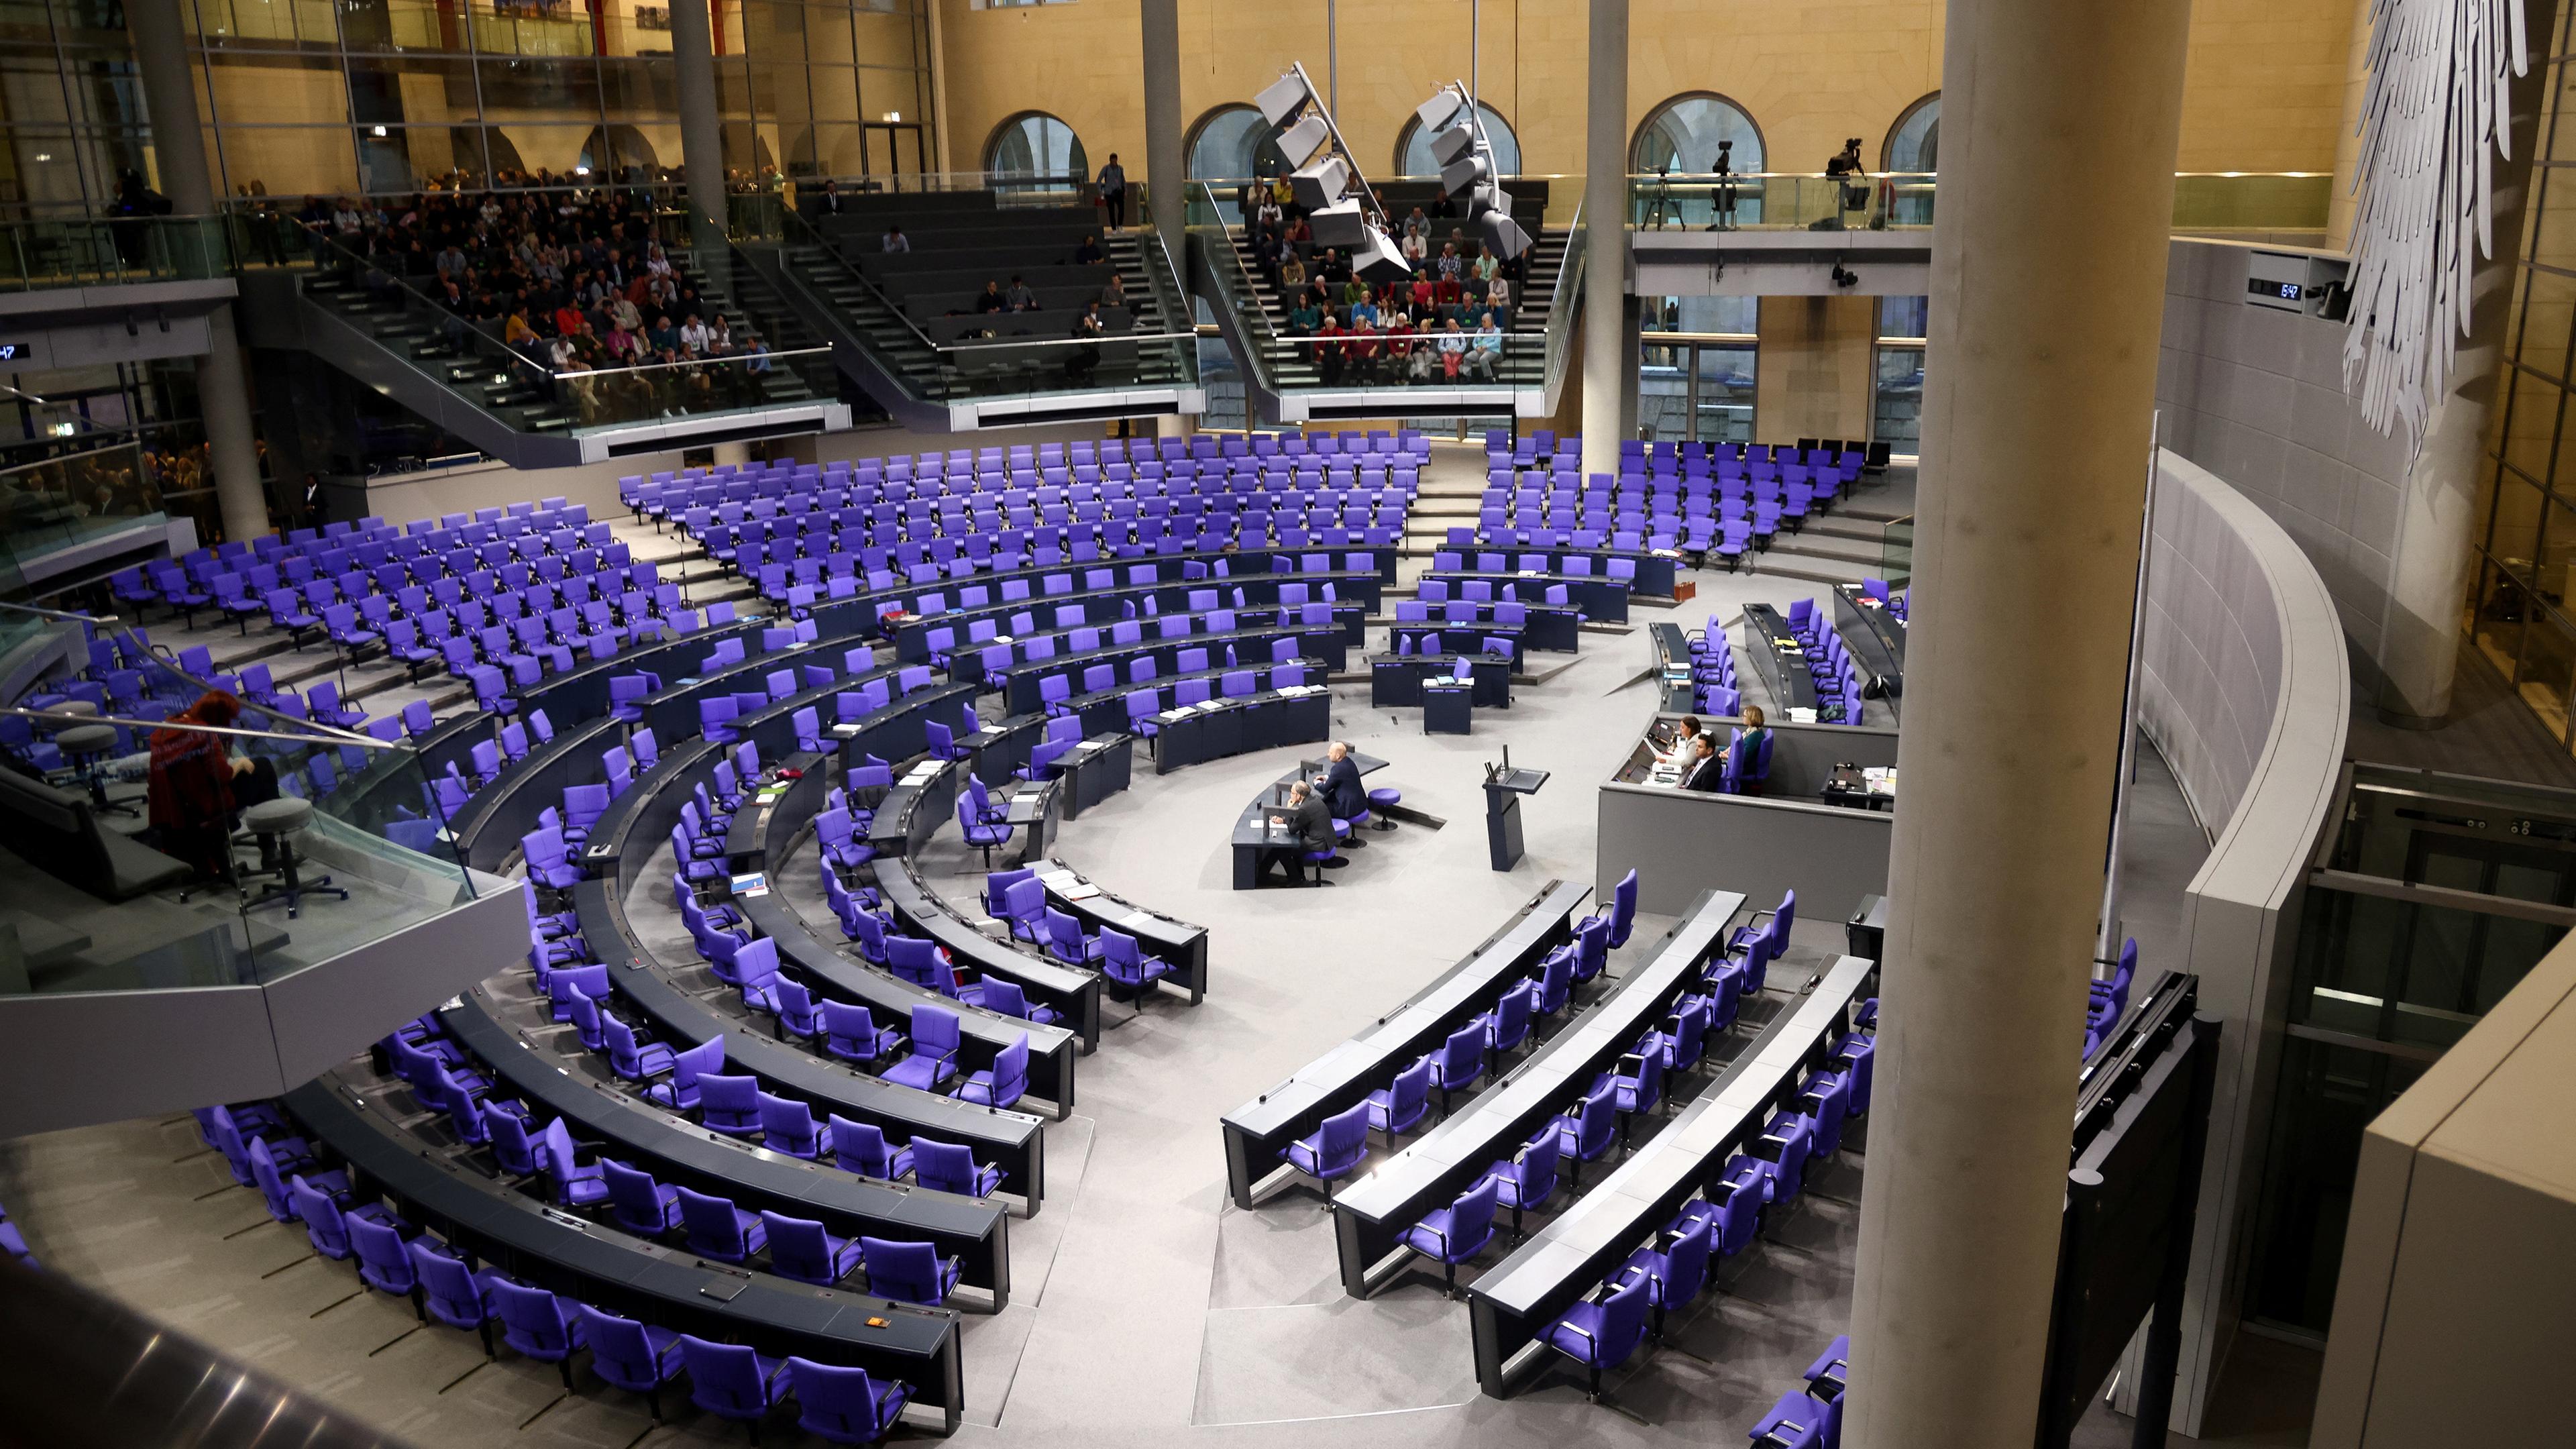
376, 830
78, 252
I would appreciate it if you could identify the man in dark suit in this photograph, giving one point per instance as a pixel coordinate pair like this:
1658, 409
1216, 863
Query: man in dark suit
1312, 823
1706, 770
1343, 794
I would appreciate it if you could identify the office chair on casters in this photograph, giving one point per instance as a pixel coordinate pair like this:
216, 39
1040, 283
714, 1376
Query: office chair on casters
277, 822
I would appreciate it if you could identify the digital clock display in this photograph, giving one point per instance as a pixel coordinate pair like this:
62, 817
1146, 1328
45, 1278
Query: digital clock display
2282, 291
16, 351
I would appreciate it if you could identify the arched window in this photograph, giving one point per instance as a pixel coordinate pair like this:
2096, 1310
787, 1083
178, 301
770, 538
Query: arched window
1914, 142
1684, 133
1037, 151
1413, 147
1231, 143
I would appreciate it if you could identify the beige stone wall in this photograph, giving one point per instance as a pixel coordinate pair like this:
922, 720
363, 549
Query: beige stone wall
2264, 89
1814, 381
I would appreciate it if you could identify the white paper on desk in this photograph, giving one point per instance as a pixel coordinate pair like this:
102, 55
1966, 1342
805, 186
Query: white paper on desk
1799, 714
1209, 706
1079, 891
1139, 920
1169, 715
750, 886
1059, 879
845, 730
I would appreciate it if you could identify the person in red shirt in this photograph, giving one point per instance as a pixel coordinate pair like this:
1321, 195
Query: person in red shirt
1364, 352
1399, 346
1423, 296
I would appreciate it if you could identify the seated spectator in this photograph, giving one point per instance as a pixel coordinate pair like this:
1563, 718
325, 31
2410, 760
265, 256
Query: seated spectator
894, 242
693, 335
1115, 294
1089, 253
991, 299
1020, 297
1488, 350
1300, 235
1292, 273
1330, 358
1414, 247
1451, 265
1081, 362
1418, 224
663, 337
1453, 351
1498, 296
1266, 215
1448, 296
1304, 317
1422, 296
1486, 264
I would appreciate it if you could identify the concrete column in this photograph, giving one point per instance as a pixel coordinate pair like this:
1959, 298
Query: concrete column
1166, 161
179, 150
693, 58
2059, 125
1609, 340
2428, 579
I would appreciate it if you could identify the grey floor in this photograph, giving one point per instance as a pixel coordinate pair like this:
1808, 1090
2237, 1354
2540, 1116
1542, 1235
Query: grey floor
1162, 1308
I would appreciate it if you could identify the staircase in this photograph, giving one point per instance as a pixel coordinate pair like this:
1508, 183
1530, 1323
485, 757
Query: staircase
1524, 363
453, 375
924, 386
740, 292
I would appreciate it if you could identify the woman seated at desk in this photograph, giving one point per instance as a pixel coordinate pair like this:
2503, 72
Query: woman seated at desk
1750, 736
1685, 746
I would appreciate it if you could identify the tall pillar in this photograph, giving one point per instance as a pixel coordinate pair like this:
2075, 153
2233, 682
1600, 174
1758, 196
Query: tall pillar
1167, 166
178, 147
2356, 88
693, 59
2437, 509
2059, 125
1609, 344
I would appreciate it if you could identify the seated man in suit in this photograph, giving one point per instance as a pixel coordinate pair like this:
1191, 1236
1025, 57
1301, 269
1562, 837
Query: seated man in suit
1312, 824
1705, 770
1343, 794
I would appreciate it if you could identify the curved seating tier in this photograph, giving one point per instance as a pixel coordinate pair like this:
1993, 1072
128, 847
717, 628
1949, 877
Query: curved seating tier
1023, 683
829, 969
1177, 943
908, 816
667, 1287
1011, 1141
1254, 843
1104, 605
1512, 1304
1435, 1168
975, 1233
1630, 563
1102, 710
1218, 631
1257, 1133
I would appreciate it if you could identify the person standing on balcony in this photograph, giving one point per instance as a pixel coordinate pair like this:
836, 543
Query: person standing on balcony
1113, 191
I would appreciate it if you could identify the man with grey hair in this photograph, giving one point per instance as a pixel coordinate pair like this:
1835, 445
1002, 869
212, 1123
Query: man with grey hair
1343, 794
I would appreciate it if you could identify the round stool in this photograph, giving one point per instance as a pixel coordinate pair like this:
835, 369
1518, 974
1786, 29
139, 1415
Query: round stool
1381, 801
82, 707
277, 822
84, 746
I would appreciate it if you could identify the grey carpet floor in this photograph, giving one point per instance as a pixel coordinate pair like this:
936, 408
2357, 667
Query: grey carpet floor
1164, 1313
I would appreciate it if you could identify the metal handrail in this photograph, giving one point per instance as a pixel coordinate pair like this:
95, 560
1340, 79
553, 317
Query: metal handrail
812, 237
1243, 301
354, 258
364, 742
1567, 299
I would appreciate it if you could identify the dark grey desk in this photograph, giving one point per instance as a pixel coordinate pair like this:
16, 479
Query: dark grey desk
1256, 842
1513, 1302
1180, 944
1095, 769
1396, 680
1600, 599
1448, 708
1011, 1141
1543, 626
1252, 647
599, 1265
677, 1150
1434, 1168
1242, 725
1104, 710
1655, 571
1672, 664
1876, 639
831, 969
1779, 658
1258, 612
1031, 811
1257, 1132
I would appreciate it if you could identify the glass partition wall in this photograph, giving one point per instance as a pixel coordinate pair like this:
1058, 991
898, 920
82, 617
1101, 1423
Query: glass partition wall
2434, 898
387, 97
1696, 359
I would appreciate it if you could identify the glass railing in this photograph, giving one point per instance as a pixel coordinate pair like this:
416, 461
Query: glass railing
525, 386
982, 357
78, 252
1896, 552
550, 28
152, 870
68, 501
2231, 201
1780, 201
1221, 200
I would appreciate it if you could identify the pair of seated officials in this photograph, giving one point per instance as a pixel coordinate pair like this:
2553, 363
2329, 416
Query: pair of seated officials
1702, 760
